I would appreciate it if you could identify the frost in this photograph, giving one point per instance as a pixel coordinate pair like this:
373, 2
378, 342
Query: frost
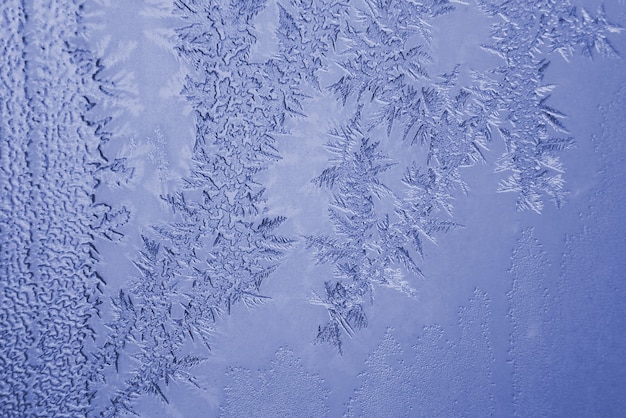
384, 75
439, 376
307, 33
157, 155
223, 244
388, 383
49, 158
368, 248
285, 389
383, 57
405, 130
523, 37
530, 350
567, 326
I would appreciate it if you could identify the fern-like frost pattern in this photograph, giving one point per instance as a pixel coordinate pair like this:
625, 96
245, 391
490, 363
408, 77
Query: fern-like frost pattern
383, 53
403, 134
525, 36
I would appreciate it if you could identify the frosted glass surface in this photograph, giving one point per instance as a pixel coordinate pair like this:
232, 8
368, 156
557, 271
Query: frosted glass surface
312, 208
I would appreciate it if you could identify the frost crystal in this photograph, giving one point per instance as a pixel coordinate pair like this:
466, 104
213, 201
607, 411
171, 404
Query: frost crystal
49, 216
523, 37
